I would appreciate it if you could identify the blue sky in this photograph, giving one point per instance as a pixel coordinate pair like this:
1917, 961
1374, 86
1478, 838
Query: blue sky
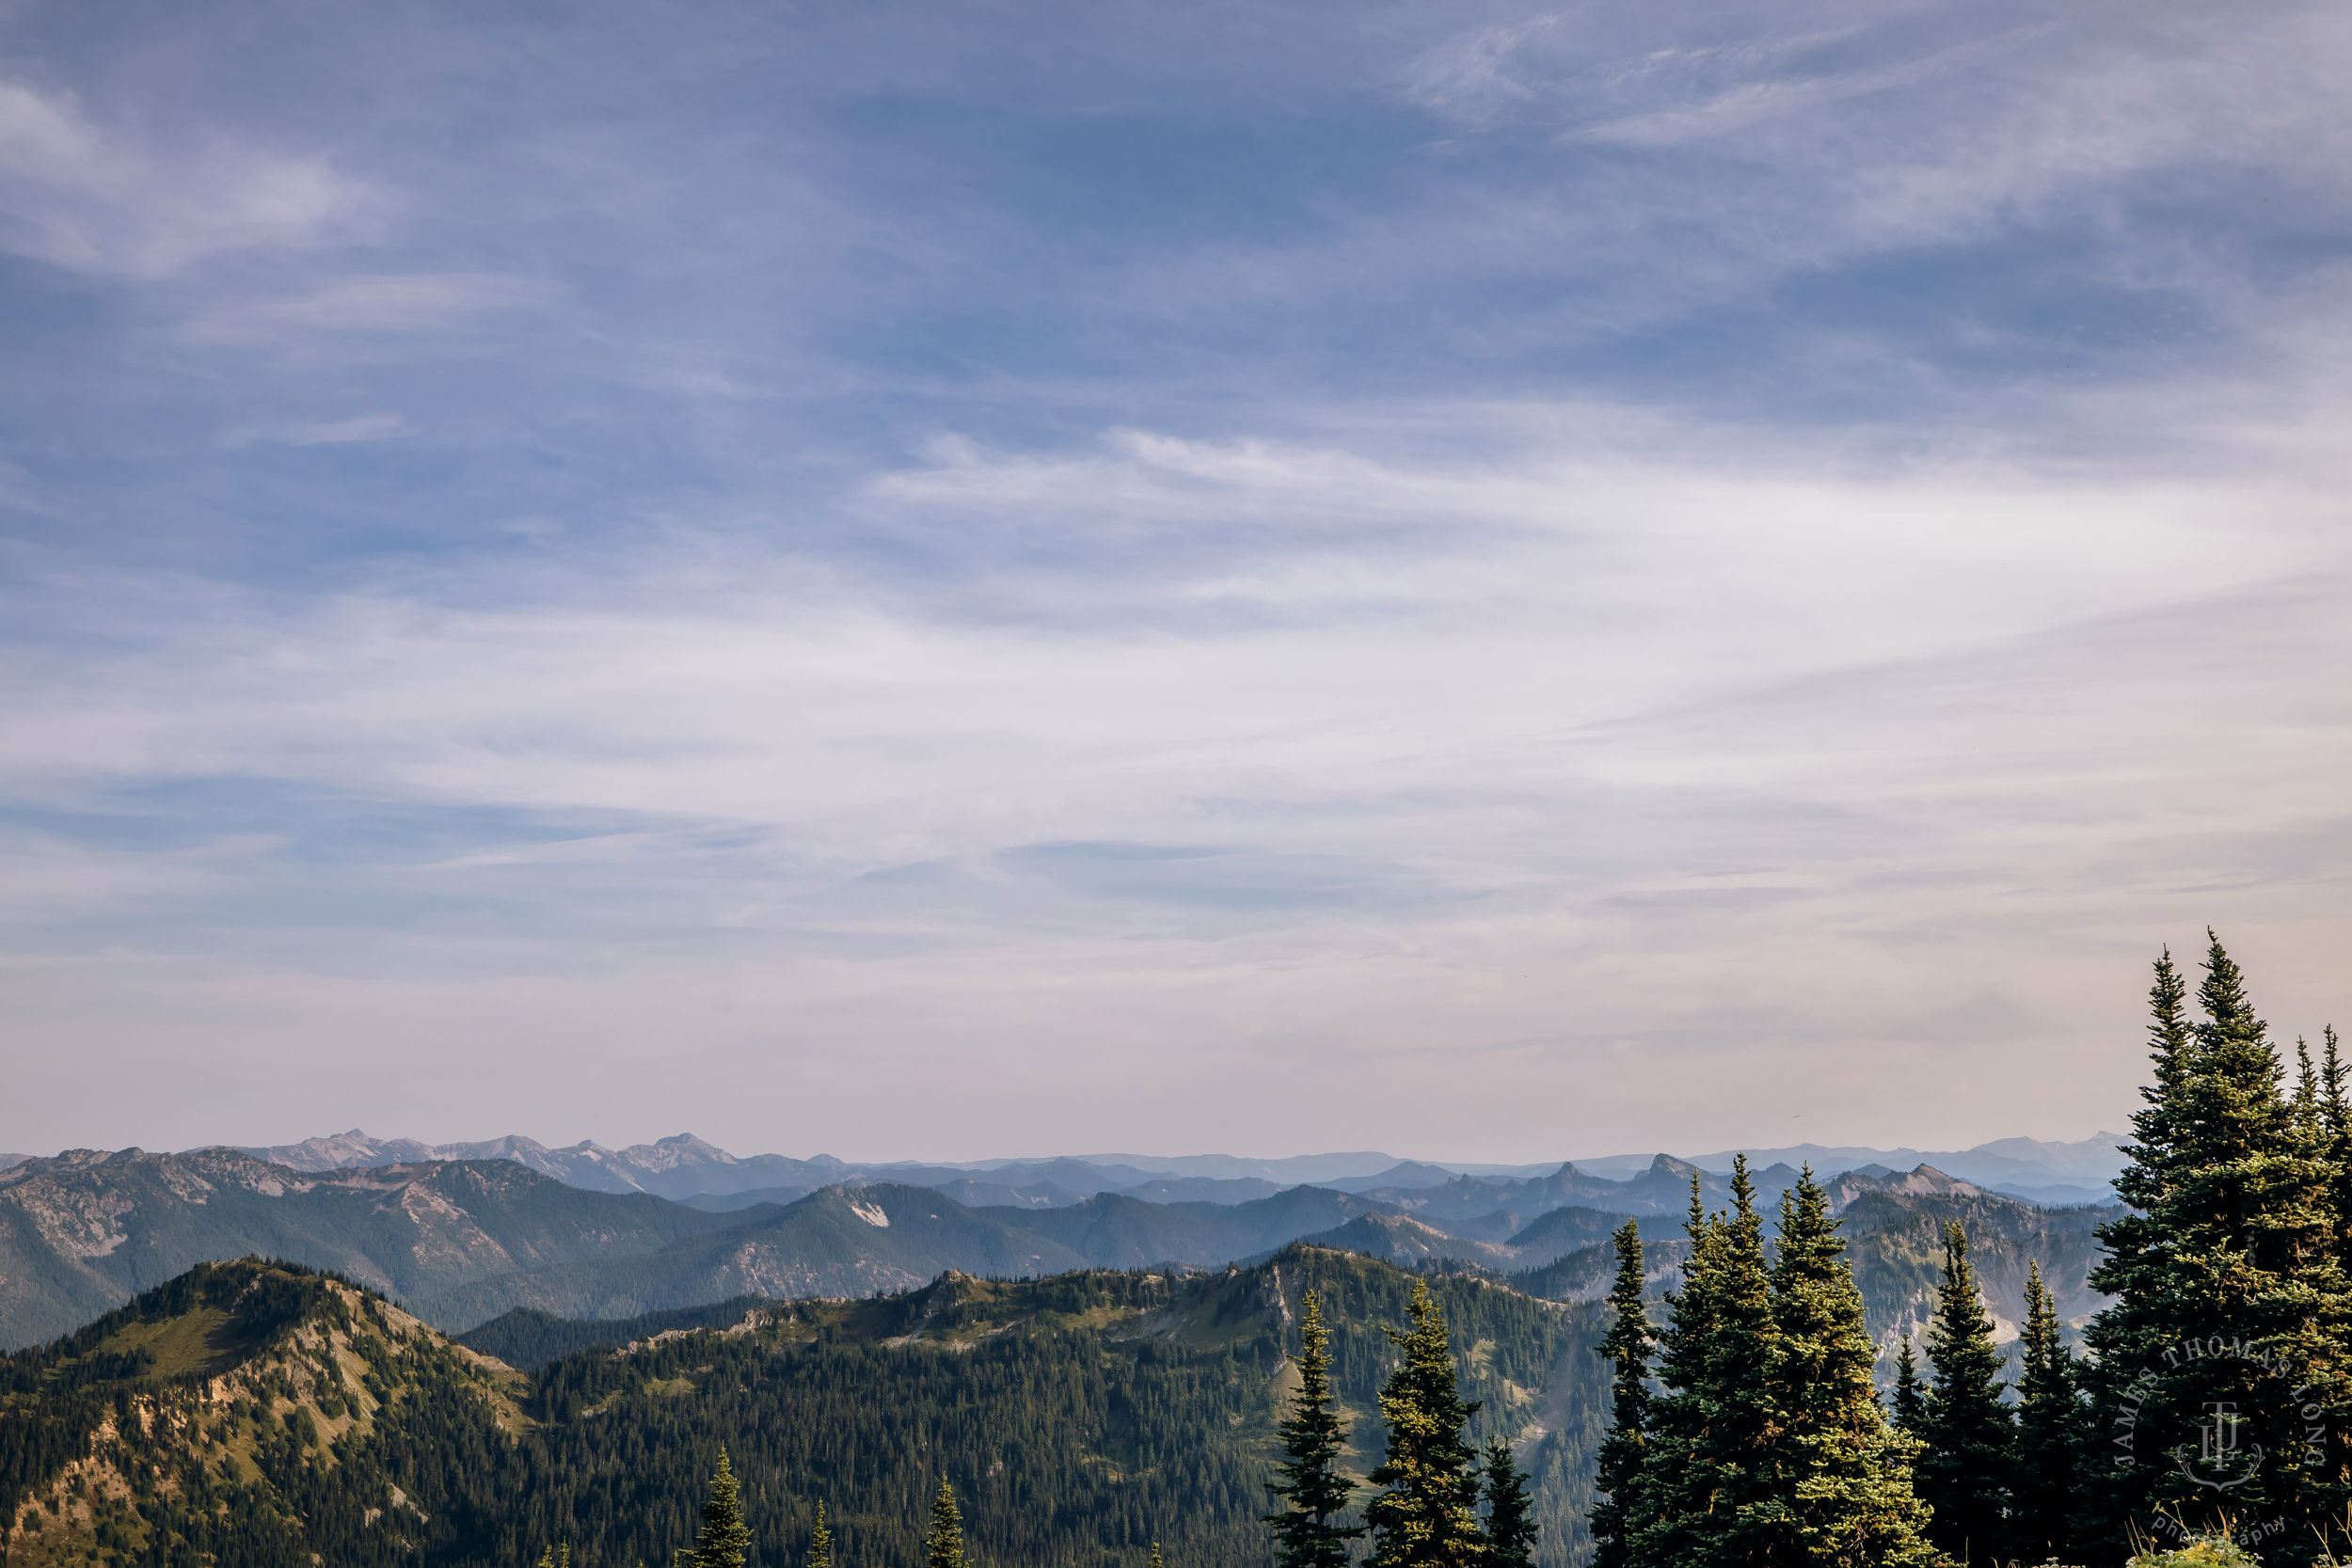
1487, 580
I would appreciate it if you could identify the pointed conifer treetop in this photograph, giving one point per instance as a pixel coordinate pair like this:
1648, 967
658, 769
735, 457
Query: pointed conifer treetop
723, 1540
1909, 1402
1839, 1485
2335, 1123
943, 1546
1968, 1430
1312, 1487
1742, 1404
1668, 1502
821, 1543
1425, 1518
1155, 1556
1626, 1450
2171, 1053
2242, 1239
2049, 1429
1510, 1517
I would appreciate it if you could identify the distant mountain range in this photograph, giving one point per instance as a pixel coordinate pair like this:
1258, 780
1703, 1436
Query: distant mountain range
686, 1167
462, 1241
85, 1232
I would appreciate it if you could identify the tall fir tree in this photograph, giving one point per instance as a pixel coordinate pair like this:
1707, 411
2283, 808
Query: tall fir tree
1911, 1403
1836, 1479
1623, 1452
2049, 1430
1733, 1452
943, 1547
2335, 1124
1969, 1432
1666, 1504
1424, 1517
723, 1540
821, 1543
1510, 1513
1703, 1493
2231, 1310
2158, 1127
1313, 1489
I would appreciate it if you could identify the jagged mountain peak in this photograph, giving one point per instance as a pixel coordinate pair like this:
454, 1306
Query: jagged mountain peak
1922, 1181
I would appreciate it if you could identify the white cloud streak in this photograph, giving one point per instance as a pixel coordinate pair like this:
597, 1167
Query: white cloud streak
107, 200
1726, 765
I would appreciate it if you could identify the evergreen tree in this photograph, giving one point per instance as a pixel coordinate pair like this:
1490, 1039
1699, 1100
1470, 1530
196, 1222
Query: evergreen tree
1837, 1480
1667, 1502
821, 1543
2306, 1090
1510, 1522
1155, 1561
1734, 1451
1707, 1493
943, 1546
722, 1542
1313, 1437
2158, 1130
1910, 1405
1968, 1430
2049, 1429
2230, 1301
1424, 1519
1625, 1450
2335, 1126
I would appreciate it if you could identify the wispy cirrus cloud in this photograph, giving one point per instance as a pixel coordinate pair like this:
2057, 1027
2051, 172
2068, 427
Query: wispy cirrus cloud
391, 305
115, 200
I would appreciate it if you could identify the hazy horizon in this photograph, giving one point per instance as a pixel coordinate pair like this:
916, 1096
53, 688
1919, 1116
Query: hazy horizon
1147, 1162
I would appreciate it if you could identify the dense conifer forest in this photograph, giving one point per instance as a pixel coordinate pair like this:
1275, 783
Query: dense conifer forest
1078, 1419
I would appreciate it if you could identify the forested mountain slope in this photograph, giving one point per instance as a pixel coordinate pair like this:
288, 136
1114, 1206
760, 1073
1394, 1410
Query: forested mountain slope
1079, 1418
1894, 1233
854, 1240
85, 1231
249, 1416
839, 1242
1111, 1231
